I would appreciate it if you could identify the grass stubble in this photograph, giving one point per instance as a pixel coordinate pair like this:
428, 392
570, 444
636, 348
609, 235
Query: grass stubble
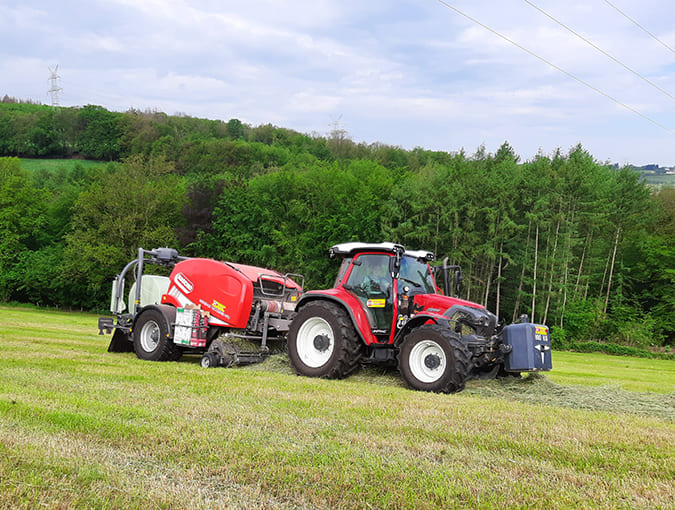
82, 428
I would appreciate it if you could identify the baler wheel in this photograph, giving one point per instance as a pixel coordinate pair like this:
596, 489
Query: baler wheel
151, 338
434, 358
209, 360
322, 342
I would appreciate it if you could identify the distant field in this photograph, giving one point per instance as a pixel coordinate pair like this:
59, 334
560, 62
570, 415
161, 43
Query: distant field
52, 165
652, 179
82, 428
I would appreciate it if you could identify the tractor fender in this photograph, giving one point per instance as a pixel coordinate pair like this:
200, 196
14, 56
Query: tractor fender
168, 313
359, 319
417, 321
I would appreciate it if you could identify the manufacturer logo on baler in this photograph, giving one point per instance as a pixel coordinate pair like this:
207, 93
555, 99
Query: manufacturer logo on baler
184, 283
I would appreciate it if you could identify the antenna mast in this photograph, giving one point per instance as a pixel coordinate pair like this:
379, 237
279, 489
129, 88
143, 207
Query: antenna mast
54, 89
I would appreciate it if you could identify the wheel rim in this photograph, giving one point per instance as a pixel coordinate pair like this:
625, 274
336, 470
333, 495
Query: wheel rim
150, 336
206, 361
427, 361
315, 342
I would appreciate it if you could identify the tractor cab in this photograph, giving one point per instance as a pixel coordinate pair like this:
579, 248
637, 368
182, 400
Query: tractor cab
390, 284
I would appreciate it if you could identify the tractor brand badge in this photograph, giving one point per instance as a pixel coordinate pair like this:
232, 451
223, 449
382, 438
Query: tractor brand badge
541, 333
184, 283
375, 303
218, 306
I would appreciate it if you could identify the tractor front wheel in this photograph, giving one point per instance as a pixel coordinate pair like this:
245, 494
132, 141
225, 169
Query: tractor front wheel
434, 358
322, 342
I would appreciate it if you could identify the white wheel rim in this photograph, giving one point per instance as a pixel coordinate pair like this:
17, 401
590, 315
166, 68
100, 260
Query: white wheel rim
427, 361
150, 336
308, 353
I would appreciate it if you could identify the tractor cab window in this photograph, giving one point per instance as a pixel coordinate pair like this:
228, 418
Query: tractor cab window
416, 275
343, 269
370, 279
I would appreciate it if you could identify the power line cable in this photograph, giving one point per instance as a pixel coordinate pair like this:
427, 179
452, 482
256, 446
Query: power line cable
638, 25
558, 68
600, 50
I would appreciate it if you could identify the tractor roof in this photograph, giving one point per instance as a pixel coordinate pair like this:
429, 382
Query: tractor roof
351, 249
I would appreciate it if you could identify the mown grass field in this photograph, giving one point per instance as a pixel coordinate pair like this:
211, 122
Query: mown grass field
82, 428
55, 165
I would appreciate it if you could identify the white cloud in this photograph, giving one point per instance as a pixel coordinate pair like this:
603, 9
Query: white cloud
407, 73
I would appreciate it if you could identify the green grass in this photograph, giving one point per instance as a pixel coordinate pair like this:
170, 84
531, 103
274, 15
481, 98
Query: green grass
53, 165
633, 374
82, 428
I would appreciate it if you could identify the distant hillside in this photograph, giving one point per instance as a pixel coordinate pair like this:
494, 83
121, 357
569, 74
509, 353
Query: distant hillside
657, 175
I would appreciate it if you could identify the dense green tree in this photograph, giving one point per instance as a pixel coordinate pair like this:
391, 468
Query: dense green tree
99, 133
22, 215
651, 258
287, 219
138, 203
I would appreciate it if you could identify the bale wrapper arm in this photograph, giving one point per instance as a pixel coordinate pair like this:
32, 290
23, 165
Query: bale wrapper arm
122, 323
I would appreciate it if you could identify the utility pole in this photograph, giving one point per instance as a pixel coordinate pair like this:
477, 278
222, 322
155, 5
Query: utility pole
54, 82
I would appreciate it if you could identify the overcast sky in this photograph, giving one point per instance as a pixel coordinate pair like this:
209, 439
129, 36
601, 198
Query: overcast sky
412, 73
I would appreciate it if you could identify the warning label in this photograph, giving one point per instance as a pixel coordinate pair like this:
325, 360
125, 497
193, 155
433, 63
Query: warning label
375, 303
218, 306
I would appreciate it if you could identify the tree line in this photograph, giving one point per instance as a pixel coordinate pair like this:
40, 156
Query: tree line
579, 245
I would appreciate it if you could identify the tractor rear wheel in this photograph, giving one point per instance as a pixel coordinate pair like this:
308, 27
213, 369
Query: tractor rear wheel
322, 342
151, 338
434, 358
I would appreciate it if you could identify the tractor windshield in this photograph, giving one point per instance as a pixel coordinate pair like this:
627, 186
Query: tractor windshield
343, 269
416, 273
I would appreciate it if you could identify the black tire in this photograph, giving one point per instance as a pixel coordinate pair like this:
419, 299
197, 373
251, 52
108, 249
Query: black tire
434, 358
322, 342
152, 341
210, 360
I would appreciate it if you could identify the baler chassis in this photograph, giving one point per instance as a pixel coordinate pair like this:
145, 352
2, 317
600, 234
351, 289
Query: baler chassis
199, 302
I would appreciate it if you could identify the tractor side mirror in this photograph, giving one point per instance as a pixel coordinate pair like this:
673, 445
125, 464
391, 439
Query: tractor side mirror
395, 263
458, 281
395, 266
446, 282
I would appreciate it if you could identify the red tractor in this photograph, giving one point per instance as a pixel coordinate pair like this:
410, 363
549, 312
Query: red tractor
385, 307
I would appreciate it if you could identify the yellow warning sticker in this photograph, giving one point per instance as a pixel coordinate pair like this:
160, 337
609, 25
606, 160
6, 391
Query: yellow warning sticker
541, 330
218, 306
375, 303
